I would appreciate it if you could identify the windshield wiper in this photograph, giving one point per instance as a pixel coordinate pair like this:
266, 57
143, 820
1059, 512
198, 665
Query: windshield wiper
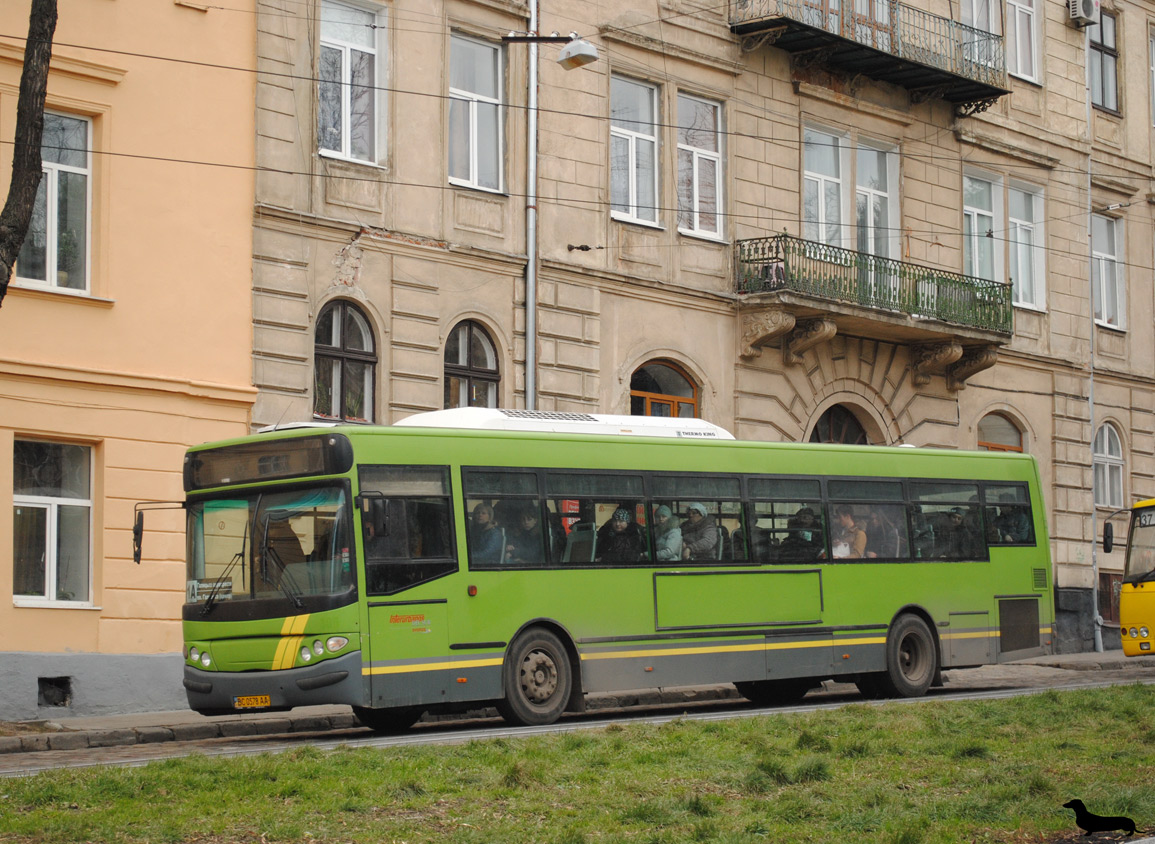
285, 581
1143, 578
237, 557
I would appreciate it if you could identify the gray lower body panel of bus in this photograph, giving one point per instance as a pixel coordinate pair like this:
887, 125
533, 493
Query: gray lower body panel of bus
327, 682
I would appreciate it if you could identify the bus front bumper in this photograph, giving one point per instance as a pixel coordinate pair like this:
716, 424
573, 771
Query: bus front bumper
332, 681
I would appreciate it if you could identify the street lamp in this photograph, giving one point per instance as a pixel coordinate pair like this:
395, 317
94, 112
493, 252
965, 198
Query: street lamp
576, 53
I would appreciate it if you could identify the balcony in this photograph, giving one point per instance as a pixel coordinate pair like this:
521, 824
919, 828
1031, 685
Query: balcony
805, 292
930, 56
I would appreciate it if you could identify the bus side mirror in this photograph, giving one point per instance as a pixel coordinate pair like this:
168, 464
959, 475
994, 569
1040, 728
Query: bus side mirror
1108, 537
375, 512
137, 534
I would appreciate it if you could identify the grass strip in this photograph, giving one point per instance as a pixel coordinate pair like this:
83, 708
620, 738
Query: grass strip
936, 771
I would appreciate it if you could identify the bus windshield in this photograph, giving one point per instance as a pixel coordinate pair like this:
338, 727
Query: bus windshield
1141, 547
286, 546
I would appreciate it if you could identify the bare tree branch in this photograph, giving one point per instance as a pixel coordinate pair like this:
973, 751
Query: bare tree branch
26, 162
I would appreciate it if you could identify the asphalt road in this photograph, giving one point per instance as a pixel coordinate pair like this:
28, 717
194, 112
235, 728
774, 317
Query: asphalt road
141, 738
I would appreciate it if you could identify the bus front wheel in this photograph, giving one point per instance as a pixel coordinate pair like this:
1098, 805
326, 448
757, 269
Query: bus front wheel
537, 679
911, 660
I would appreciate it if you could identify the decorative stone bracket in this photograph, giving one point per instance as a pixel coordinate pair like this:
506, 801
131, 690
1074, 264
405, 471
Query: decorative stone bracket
975, 360
926, 360
760, 327
804, 336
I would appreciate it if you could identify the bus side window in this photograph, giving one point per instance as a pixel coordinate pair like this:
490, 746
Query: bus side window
504, 518
406, 519
1007, 515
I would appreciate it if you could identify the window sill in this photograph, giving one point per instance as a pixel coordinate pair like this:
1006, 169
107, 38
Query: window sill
709, 238
58, 294
344, 159
634, 221
1024, 306
457, 183
1110, 326
43, 604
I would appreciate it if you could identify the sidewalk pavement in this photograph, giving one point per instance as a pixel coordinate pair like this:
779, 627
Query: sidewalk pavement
185, 725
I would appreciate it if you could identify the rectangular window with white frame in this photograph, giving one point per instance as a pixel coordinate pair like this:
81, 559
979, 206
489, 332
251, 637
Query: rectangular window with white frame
1151, 72
1025, 253
1107, 271
1021, 38
699, 166
822, 187
348, 81
633, 151
55, 253
476, 134
52, 523
980, 252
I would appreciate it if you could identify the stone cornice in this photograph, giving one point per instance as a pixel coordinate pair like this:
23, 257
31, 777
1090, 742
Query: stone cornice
68, 66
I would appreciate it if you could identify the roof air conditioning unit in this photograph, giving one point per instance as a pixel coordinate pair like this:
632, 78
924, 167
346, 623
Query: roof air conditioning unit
1083, 12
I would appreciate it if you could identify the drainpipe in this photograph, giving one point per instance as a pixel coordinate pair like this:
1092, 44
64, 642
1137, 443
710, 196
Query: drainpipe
1097, 619
531, 222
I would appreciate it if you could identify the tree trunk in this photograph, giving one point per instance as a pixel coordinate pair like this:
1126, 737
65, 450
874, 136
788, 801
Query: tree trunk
26, 162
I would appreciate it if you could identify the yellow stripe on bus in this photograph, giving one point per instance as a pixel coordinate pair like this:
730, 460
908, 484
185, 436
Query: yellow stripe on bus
433, 666
295, 625
685, 651
287, 652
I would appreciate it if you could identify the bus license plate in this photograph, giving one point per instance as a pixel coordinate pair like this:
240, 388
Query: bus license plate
252, 702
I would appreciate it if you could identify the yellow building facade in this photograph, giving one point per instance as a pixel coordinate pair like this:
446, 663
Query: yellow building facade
124, 337
799, 220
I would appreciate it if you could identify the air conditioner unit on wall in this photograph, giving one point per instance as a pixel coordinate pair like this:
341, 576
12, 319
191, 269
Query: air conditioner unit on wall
1083, 12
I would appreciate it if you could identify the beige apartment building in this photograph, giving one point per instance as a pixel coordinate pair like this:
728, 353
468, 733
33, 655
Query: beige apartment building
124, 338
798, 219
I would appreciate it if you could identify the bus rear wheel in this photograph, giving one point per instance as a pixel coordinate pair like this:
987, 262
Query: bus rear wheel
386, 721
911, 660
538, 679
775, 692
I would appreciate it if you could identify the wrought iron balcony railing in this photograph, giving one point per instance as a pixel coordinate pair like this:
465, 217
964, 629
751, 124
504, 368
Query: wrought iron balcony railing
785, 263
889, 27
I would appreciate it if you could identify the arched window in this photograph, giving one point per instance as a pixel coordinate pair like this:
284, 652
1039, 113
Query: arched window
839, 425
1108, 461
998, 433
471, 371
344, 364
661, 388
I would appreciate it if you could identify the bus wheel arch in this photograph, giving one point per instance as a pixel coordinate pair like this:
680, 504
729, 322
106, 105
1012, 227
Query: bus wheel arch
541, 676
913, 654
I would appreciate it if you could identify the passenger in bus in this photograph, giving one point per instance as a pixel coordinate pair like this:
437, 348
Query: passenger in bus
620, 539
700, 536
524, 541
850, 540
804, 539
882, 539
1012, 523
667, 535
486, 542
960, 540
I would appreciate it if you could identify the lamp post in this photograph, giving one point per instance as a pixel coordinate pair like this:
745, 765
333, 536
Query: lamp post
575, 54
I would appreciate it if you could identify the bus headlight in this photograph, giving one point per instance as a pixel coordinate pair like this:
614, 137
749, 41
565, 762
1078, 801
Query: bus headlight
206, 660
194, 654
1134, 633
1143, 633
318, 648
306, 654
335, 643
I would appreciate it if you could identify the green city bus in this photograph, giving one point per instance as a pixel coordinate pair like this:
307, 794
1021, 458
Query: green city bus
524, 560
